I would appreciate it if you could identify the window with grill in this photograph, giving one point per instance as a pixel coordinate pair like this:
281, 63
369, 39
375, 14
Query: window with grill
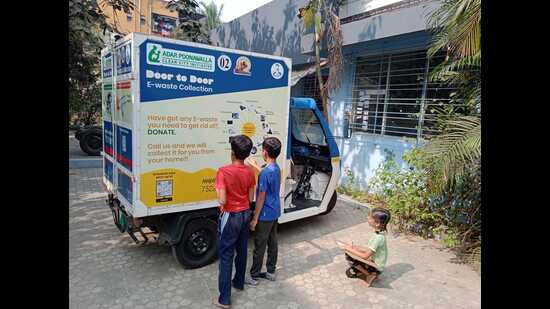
391, 94
311, 89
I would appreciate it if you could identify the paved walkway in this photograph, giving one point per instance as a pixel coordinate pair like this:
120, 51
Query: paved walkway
107, 270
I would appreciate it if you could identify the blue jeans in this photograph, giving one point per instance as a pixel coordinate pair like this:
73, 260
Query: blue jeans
233, 228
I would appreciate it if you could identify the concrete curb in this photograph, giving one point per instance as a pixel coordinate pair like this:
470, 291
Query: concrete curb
348, 200
86, 163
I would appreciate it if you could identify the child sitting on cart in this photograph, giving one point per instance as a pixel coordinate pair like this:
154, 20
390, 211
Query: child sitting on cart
368, 263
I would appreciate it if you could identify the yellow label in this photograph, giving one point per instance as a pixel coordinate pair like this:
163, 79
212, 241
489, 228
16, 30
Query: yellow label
173, 186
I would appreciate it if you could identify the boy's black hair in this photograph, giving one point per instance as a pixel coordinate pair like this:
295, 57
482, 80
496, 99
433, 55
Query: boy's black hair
273, 147
241, 146
381, 216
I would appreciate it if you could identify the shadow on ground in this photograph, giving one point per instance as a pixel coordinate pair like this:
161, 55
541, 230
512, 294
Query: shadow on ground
391, 273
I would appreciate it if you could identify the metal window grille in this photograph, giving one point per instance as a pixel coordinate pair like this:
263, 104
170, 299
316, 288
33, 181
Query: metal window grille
311, 89
391, 95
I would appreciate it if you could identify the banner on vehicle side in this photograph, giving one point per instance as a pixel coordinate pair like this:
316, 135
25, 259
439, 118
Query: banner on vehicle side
125, 185
123, 58
192, 99
107, 65
108, 169
124, 146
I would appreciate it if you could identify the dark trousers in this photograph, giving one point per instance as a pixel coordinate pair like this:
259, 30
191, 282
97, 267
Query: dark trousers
266, 235
233, 234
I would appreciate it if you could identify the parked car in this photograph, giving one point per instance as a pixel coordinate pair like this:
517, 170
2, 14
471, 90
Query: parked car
91, 139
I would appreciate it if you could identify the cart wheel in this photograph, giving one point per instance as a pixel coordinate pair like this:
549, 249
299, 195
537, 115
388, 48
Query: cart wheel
198, 245
351, 273
331, 203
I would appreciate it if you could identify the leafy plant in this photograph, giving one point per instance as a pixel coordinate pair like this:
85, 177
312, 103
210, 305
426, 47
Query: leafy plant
189, 28
454, 157
457, 30
406, 194
87, 28
213, 14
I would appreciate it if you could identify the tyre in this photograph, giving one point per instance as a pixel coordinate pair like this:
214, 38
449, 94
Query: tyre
331, 203
198, 245
91, 143
351, 273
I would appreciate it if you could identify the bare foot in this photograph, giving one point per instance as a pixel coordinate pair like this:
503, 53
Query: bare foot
216, 303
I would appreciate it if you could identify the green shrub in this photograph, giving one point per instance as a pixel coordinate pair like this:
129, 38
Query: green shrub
453, 217
406, 194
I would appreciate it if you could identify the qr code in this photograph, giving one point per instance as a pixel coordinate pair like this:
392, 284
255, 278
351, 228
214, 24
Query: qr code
164, 188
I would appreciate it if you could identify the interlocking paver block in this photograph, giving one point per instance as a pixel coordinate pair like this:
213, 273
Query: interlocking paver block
107, 270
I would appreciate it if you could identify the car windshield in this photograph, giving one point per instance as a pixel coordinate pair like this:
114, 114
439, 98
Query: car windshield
306, 127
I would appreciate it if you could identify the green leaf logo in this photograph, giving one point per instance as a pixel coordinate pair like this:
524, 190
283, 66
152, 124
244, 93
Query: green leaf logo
153, 56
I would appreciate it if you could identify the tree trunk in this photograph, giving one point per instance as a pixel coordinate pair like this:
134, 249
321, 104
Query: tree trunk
324, 99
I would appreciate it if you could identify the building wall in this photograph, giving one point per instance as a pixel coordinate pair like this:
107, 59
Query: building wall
266, 31
362, 153
384, 25
352, 7
273, 28
142, 7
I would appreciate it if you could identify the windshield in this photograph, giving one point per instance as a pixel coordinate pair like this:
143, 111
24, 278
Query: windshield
306, 127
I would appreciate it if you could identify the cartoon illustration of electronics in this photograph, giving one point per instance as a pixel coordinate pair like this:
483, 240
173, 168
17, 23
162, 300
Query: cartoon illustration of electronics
250, 121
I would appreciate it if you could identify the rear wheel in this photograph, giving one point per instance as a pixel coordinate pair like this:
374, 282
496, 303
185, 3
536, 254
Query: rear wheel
199, 244
331, 203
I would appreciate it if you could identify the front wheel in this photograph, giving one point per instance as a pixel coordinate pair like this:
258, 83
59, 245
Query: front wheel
331, 203
199, 244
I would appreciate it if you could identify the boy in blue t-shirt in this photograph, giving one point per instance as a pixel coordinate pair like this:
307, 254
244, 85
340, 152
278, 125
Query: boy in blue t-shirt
268, 209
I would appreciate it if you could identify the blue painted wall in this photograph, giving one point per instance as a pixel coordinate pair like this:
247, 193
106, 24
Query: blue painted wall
362, 153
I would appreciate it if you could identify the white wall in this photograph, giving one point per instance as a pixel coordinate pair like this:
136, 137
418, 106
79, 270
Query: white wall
352, 7
392, 23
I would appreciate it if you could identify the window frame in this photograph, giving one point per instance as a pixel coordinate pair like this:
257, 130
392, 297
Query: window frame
390, 103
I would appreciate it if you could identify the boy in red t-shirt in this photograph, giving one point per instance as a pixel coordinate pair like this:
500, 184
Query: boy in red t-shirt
235, 187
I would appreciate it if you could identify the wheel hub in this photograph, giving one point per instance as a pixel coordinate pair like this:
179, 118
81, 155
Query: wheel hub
198, 242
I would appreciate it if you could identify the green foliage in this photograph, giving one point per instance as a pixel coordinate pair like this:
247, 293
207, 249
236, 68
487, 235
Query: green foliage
309, 16
213, 14
189, 29
351, 188
85, 104
458, 28
454, 151
406, 194
87, 27
452, 215
454, 157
